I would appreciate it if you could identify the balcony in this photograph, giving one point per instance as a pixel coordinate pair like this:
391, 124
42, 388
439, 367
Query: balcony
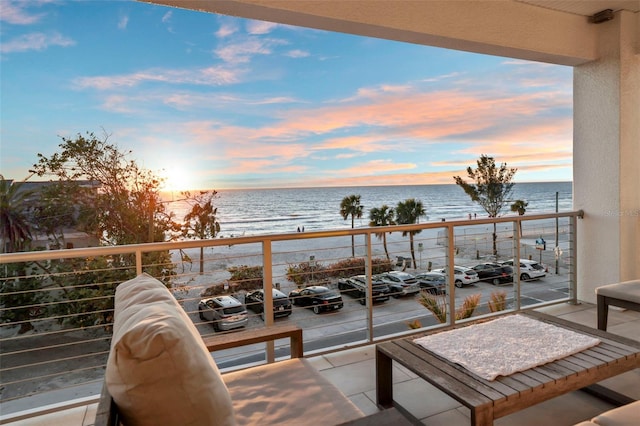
57, 366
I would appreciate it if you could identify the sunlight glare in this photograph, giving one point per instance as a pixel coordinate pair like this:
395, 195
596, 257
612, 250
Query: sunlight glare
177, 179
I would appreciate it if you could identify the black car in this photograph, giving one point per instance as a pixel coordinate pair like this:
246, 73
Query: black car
356, 287
494, 273
317, 297
281, 303
433, 282
400, 283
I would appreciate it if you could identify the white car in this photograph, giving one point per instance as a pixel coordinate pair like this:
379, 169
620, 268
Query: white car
462, 275
529, 269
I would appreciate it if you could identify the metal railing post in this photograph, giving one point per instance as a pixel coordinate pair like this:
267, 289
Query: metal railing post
573, 267
517, 225
267, 286
138, 262
368, 267
451, 276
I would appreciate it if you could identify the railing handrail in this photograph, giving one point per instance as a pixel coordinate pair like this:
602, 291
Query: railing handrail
177, 245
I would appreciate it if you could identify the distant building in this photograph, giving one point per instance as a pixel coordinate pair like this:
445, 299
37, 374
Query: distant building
71, 238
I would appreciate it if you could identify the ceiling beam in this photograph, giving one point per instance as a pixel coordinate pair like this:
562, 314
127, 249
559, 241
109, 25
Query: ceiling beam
503, 28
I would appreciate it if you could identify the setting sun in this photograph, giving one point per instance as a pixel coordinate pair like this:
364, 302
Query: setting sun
177, 179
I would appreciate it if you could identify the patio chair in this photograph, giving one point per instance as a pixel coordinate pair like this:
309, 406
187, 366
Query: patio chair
624, 295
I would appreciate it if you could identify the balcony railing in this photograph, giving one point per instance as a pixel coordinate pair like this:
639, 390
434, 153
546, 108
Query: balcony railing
57, 305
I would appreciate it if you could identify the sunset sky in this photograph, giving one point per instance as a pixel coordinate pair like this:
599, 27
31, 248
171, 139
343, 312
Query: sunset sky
214, 102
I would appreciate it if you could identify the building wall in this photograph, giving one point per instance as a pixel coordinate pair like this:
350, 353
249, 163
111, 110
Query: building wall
606, 158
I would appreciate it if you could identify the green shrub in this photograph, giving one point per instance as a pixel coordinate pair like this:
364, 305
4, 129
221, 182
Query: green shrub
245, 278
303, 273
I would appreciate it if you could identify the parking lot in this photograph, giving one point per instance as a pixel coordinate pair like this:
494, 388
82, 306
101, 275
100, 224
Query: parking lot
349, 324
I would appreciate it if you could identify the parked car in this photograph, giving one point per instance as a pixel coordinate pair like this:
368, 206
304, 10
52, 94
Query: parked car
317, 297
433, 282
400, 283
224, 312
529, 269
356, 287
281, 303
494, 273
462, 275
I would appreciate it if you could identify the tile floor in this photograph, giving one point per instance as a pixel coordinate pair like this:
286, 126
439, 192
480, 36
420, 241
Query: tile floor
353, 372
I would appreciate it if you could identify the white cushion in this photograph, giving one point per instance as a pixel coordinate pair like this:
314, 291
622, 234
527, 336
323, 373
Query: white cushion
159, 372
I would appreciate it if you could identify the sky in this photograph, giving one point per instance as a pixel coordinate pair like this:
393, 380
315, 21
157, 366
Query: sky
209, 101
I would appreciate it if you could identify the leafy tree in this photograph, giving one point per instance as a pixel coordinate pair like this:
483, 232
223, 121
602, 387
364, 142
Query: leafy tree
15, 231
491, 188
409, 212
201, 221
350, 206
21, 295
382, 216
120, 204
87, 298
51, 217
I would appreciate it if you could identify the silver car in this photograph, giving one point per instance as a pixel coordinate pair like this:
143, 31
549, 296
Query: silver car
529, 269
224, 312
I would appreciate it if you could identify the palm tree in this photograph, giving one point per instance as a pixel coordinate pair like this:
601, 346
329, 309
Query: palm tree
382, 216
350, 206
519, 206
409, 212
15, 231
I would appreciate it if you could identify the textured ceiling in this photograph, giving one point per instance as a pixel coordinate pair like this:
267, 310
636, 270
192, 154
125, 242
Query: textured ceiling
585, 7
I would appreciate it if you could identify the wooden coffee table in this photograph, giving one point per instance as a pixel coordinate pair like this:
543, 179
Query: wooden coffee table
489, 400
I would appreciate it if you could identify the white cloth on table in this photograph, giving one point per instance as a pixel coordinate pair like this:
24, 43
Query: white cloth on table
506, 345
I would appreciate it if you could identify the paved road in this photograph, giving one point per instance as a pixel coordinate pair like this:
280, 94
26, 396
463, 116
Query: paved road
348, 326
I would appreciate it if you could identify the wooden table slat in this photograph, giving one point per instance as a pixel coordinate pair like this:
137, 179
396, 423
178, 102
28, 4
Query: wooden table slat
570, 366
543, 379
512, 382
580, 361
531, 382
597, 354
610, 351
596, 362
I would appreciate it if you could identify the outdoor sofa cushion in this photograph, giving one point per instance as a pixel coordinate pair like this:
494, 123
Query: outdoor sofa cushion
627, 415
159, 371
289, 392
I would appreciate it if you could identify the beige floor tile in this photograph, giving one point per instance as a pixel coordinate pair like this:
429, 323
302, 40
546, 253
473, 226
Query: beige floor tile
447, 418
565, 410
353, 378
351, 356
364, 403
422, 399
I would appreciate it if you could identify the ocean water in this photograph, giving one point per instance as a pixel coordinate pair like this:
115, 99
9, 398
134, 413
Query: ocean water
268, 211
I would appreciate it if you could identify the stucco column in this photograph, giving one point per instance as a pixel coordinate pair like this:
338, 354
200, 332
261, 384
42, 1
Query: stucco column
606, 151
